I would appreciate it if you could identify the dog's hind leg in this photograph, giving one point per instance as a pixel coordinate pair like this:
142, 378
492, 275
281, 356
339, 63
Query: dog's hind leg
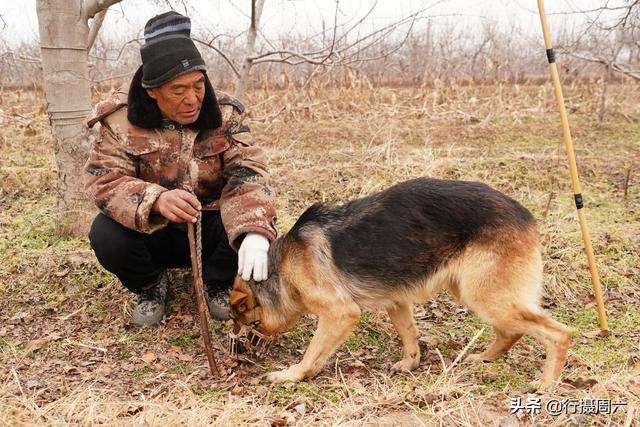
335, 324
511, 323
556, 338
402, 318
504, 291
503, 342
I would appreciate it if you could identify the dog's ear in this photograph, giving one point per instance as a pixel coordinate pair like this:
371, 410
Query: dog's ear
241, 299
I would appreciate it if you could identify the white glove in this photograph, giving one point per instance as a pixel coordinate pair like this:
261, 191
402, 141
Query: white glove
252, 256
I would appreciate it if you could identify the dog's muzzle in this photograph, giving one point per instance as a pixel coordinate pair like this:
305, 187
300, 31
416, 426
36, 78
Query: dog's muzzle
247, 341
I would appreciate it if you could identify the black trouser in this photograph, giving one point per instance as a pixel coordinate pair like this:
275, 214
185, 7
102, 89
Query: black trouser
138, 259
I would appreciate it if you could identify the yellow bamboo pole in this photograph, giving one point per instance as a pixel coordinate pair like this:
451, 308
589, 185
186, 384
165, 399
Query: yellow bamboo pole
573, 170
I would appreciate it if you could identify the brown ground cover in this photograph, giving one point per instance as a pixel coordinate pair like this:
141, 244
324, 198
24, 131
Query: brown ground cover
68, 354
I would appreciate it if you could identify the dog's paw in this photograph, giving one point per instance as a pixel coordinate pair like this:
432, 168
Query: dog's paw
405, 365
476, 358
288, 374
539, 386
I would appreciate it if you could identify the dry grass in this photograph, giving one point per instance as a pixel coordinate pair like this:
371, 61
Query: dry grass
69, 357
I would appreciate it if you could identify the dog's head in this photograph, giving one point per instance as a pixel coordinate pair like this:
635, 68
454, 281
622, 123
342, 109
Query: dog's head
243, 308
247, 335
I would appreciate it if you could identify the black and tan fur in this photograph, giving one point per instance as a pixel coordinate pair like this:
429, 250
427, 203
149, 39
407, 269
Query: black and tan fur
399, 247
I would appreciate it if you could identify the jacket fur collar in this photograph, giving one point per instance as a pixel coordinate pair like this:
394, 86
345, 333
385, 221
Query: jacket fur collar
143, 111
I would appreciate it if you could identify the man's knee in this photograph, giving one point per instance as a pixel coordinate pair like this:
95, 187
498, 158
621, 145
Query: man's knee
111, 240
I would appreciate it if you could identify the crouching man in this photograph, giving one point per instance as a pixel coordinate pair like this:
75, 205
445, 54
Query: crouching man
169, 150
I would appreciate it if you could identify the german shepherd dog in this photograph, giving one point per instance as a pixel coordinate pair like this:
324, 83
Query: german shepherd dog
398, 247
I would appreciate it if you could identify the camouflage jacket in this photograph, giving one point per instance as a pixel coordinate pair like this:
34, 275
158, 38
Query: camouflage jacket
129, 167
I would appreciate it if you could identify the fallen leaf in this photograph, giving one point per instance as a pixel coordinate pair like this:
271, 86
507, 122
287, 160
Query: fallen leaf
301, 408
35, 345
358, 364
509, 422
32, 384
104, 370
237, 390
18, 316
62, 273
134, 410
429, 398
596, 334
149, 357
80, 259
29, 131
71, 370
581, 383
283, 419
175, 349
54, 336
577, 419
254, 381
279, 420
185, 357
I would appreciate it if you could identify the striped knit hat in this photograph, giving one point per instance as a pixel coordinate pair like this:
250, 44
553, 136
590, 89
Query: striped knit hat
168, 51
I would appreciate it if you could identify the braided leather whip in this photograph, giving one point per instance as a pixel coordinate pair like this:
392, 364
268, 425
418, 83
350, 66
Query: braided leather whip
195, 249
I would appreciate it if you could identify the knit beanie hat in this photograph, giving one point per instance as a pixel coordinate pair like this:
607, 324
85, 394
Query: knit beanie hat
168, 51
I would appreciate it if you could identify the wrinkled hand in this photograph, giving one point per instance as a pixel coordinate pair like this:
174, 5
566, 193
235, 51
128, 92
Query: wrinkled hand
177, 206
252, 256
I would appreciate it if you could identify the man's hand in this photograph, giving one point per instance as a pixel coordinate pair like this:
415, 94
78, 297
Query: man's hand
252, 256
177, 206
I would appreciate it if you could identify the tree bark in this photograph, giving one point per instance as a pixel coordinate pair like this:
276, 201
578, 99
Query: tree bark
64, 32
247, 63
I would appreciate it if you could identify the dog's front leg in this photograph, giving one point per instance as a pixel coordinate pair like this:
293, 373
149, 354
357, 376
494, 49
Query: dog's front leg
401, 315
334, 326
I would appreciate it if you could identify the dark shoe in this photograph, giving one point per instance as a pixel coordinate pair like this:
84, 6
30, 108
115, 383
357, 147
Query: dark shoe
151, 304
218, 303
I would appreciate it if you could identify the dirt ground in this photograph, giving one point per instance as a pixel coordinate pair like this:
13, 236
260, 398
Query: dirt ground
70, 356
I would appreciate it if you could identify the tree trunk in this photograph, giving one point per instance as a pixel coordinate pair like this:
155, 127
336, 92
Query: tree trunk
602, 109
256, 13
64, 33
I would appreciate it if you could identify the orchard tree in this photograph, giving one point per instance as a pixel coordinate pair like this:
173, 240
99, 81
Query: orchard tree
65, 39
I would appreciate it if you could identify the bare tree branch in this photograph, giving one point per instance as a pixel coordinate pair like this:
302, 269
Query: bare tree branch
625, 17
621, 68
260, 59
221, 53
124, 46
335, 29
98, 19
24, 58
332, 55
92, 7
118, 76
360, 21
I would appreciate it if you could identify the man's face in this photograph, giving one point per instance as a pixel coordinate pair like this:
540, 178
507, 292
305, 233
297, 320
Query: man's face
180, 99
